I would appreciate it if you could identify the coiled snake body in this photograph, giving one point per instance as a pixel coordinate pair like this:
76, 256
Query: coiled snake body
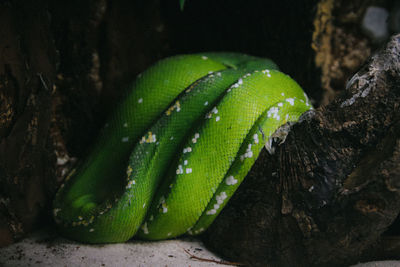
177, 148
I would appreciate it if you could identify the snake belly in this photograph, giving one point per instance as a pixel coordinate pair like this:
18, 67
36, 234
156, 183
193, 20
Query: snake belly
177, 147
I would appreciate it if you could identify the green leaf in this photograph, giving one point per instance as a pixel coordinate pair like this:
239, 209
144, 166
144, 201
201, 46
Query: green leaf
181, 3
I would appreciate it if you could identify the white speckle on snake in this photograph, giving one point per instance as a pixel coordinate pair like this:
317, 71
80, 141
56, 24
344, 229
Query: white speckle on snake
290, 100
145, 229
230, 180
255, 137
187, 150
179, 170
164, 208
211, 212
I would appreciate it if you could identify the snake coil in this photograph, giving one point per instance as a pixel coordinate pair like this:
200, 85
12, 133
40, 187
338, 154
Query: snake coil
177, 148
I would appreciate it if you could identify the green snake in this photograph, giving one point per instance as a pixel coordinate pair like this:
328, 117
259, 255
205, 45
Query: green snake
176, 148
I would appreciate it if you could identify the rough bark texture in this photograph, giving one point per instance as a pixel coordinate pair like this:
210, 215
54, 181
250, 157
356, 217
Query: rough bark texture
27, 75
332, 189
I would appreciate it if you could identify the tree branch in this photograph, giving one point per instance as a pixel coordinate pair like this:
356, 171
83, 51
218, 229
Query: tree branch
332, 188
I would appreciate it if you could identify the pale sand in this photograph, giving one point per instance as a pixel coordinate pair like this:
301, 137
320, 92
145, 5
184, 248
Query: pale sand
46, 248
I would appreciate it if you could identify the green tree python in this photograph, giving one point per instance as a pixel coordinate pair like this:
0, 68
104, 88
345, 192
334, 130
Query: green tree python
176, 148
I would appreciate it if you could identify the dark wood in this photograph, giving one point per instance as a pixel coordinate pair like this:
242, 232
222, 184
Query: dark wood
27, 74
332, 188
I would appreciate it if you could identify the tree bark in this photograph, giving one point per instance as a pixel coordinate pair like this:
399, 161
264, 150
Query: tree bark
332, 188
27, 75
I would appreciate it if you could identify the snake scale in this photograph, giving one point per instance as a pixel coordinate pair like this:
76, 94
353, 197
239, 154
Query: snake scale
176, 148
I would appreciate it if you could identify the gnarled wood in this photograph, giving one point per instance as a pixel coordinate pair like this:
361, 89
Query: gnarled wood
332, 189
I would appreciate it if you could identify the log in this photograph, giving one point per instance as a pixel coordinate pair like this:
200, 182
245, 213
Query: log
332, 188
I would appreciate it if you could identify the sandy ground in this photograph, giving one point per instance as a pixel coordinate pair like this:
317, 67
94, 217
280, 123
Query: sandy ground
46, 248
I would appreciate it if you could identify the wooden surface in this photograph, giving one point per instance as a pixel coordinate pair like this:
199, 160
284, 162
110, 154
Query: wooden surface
332, 189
